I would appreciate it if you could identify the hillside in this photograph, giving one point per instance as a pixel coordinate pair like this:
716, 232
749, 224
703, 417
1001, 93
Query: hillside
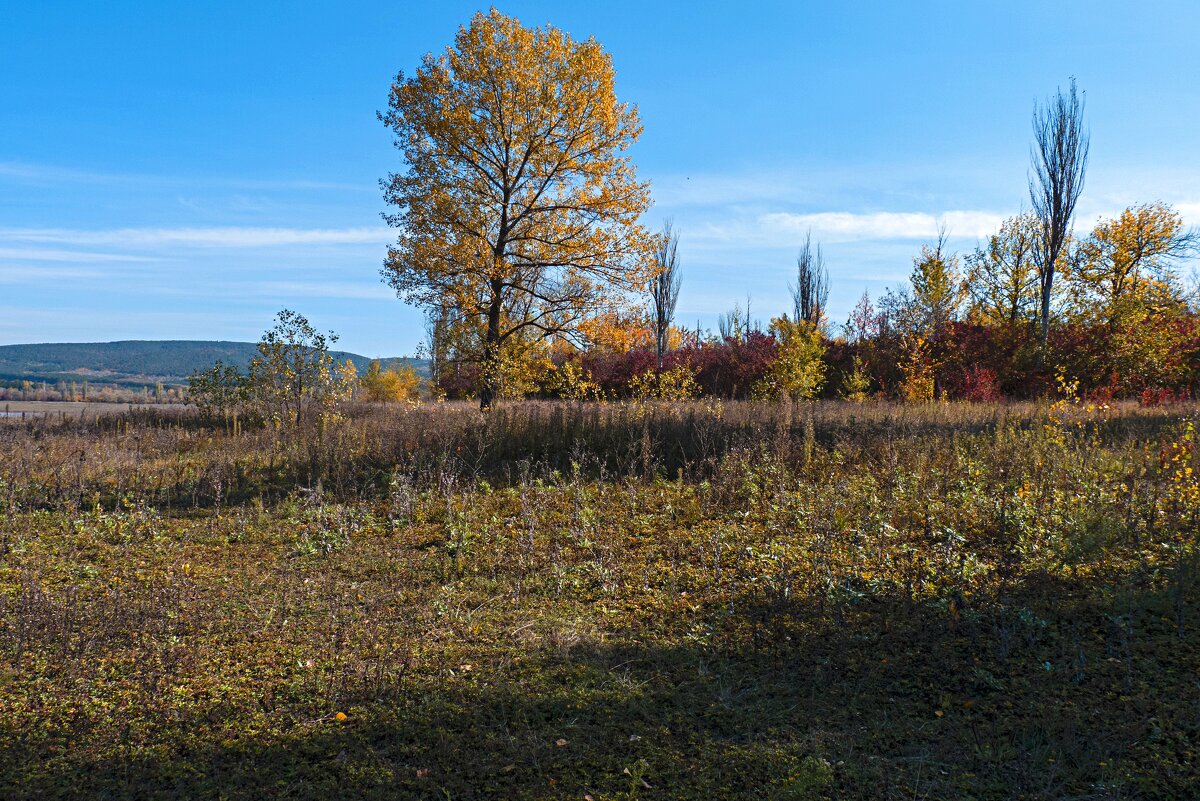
135, 362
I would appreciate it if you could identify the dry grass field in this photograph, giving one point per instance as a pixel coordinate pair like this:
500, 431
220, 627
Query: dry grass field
622, 601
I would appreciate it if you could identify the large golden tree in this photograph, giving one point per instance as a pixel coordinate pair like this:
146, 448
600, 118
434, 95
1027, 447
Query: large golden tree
518, 208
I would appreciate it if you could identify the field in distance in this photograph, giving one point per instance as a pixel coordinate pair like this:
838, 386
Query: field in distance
15, 409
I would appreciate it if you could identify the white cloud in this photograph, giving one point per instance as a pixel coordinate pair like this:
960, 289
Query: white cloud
1190, 212
718, 241
216, 237
840, 225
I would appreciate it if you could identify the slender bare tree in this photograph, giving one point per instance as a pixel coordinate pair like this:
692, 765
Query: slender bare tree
664, 287
729, 324
810, 293
1060, 155
735, 324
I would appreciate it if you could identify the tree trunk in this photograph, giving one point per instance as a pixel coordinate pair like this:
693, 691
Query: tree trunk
491, 353
1044, 334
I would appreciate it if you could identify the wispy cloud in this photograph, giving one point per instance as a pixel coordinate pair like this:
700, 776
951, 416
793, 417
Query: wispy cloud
327, 289
215, 237
884, 225
74, 256
48, 174
25, 274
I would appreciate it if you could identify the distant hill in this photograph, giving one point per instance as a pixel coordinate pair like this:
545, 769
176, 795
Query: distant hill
137, 362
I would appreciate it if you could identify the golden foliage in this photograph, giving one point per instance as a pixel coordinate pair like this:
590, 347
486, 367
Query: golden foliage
1003, 278
1178, 463
918, 369
798, 371
1124, 267
616, 330
569, 381
856, 384
519, 368
938, 288
518, 207
1122, 277
676, 384
390, 386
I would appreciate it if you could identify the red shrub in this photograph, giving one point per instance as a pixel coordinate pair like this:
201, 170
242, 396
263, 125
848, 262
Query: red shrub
1160, 396
980, 384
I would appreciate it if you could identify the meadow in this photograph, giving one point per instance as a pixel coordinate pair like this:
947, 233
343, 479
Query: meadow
552, 600
60, 409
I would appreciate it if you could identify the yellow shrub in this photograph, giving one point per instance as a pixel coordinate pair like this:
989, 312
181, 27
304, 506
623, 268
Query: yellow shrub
397, 384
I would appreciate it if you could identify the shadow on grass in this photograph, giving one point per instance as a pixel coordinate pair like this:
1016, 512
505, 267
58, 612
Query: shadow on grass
1033, 695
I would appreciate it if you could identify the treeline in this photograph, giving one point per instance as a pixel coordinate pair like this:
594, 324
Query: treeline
1037, 308
26, 390
573, 299
1123, 323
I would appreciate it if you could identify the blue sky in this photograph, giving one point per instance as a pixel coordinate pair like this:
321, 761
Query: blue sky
173, 171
